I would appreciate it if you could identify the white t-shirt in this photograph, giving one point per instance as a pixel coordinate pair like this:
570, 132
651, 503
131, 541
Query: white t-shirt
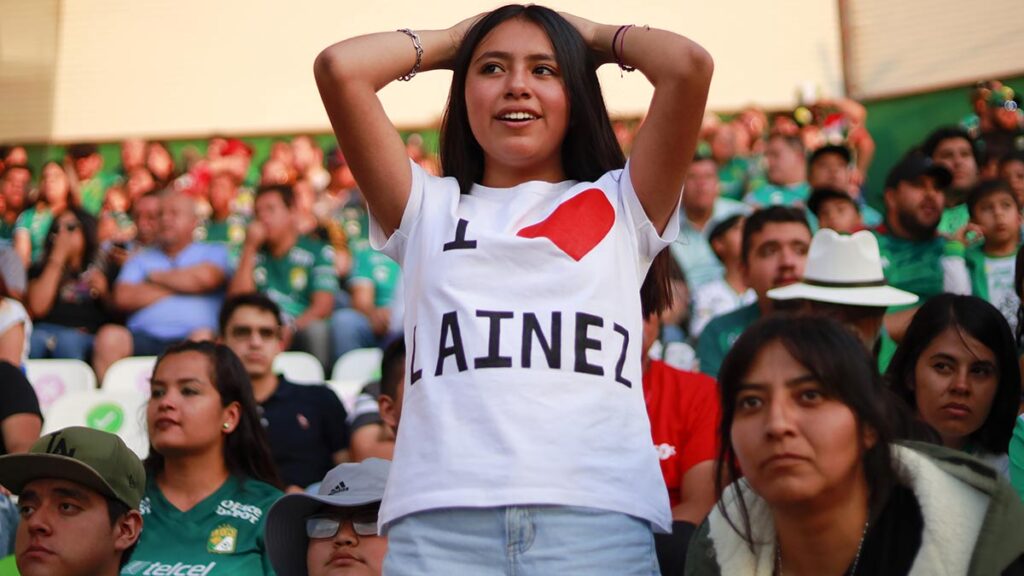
999, 274
523, 331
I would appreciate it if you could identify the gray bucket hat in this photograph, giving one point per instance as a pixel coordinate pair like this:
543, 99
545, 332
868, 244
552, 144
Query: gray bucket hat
346, 485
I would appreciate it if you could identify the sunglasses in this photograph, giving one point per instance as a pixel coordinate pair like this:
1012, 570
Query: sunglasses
245, 333
327, 526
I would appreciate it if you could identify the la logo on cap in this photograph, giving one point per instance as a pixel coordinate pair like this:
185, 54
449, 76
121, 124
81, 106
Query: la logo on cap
60, 448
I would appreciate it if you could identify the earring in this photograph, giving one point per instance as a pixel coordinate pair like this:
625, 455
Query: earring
227, 426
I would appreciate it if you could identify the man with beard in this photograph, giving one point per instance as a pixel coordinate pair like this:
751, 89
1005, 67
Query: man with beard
774, 251
915, 257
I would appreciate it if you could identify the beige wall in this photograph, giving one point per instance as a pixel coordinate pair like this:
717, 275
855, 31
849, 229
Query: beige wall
197, 67
914, 45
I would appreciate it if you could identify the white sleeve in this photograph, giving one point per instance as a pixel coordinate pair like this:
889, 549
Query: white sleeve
955, 278
394, 245
650, 243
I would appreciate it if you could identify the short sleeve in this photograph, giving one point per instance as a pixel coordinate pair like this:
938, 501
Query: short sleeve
649, 242
336, 421
217, 254
23, 221
18, 396
323, 270
394, 245
133, 271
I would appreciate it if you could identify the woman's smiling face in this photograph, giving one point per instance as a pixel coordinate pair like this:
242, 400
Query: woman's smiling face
517, 104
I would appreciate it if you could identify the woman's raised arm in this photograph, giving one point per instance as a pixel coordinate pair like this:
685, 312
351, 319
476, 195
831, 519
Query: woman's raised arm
348, 75
680, 71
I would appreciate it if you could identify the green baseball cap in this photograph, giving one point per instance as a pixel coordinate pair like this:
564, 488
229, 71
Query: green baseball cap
93, 458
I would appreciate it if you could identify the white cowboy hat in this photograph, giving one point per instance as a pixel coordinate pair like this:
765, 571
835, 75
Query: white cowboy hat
844, 270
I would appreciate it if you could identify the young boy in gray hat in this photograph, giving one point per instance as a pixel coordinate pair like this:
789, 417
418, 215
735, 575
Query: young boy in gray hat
79, 492
333, 532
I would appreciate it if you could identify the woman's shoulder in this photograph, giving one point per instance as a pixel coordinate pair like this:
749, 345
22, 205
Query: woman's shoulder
258, 492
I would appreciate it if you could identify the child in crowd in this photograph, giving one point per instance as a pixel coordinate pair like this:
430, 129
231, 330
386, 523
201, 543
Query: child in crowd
730, 291
835, 209
1011, 170
995, 214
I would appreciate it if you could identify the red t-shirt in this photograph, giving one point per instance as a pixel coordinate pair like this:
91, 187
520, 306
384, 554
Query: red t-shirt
684, 412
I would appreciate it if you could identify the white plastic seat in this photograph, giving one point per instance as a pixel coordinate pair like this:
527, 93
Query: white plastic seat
130, 374
348, 392
360, 365
53, 378
118, 412
299, 367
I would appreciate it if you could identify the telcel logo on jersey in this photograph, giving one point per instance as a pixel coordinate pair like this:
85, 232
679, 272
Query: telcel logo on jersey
144, 568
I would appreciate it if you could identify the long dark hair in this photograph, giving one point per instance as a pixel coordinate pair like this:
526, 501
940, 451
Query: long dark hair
1018, 286
86, 223
975, 317
246, 450
589, 149
842, 366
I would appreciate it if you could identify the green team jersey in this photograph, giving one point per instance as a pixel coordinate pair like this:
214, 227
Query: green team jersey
291, 280
772, 195
734, 176
37, 223
220, 536
720, 334
94, 191
917, 267
953, 219
376, 267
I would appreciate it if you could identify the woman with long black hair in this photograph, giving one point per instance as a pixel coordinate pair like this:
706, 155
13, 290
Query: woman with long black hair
210, 476
522, 269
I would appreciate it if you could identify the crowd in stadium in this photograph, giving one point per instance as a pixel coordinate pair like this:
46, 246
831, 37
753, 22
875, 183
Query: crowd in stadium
802, 316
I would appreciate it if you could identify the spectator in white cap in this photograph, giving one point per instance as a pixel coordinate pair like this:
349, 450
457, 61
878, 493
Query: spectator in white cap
843, 280
333, 532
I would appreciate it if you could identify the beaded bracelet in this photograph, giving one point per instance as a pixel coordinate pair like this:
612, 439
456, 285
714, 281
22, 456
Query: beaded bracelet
617, 47
419, 54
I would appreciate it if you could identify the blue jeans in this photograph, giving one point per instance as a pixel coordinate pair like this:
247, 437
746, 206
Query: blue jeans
55, 341
9, 519
350, 330
520, 541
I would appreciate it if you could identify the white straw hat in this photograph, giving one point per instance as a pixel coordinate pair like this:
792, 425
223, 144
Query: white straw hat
844, 270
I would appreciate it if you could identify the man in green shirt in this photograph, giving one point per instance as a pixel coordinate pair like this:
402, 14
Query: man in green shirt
225, 225
786, 170
296, 272
915, 257
775, 244
88, 176
14, 184
79, 496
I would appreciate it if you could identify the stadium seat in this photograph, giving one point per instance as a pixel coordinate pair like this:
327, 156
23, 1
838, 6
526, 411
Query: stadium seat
348, 391
361, 365
130, 374
299, 367
119, 412
51, 379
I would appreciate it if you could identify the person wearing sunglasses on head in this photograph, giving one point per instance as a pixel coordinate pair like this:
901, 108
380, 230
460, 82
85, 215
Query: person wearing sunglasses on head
333, 532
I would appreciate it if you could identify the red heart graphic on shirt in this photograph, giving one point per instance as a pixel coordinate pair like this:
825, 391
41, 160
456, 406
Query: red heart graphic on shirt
578, 225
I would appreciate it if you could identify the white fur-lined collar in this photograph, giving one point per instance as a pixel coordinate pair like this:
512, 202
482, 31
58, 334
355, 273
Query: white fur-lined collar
953, 514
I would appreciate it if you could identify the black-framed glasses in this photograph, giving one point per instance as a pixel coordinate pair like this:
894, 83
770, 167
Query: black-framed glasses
327, 525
